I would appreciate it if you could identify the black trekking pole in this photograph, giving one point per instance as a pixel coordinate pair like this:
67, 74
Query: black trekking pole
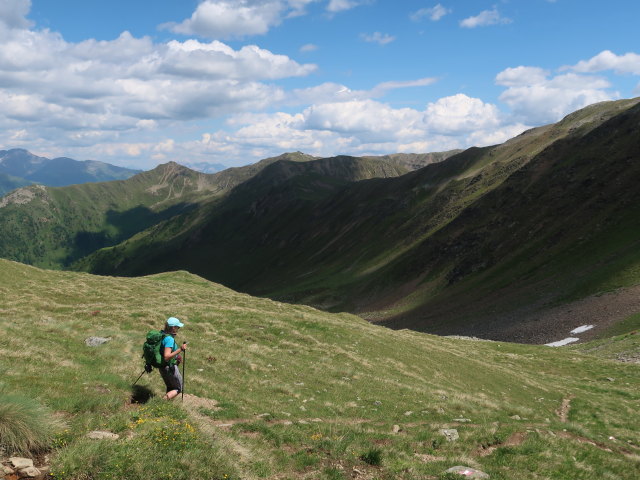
184, 361
143, 372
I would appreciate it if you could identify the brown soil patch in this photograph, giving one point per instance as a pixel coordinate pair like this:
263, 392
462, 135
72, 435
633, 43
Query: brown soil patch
514, 440
193, 401
563, 411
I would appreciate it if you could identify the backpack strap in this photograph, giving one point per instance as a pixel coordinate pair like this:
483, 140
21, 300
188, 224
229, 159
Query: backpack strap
162, 347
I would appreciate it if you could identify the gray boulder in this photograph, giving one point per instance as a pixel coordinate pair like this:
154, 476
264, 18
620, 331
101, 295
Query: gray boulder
96, 341
467, 472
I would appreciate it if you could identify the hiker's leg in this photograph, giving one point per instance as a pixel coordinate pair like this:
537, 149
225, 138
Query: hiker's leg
171, 395
173, 381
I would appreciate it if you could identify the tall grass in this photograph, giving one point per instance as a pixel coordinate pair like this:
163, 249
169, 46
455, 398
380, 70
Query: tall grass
25, 425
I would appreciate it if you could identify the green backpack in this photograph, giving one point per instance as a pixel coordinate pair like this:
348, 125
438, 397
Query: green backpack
152, 349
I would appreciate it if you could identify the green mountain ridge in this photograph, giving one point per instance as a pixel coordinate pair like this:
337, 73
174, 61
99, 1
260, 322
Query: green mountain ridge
286, 391
457, 247
71, 222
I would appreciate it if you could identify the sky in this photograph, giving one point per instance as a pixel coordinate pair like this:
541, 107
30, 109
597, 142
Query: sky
144, 82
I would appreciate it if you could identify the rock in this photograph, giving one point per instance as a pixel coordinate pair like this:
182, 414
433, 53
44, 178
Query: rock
408, 414
96, 341
451, 434
396, 429
29, 472
4, 470
467, 472
19, 463
102, 435
515, 417
462, 420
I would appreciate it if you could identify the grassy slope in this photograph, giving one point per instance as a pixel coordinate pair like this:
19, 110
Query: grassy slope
332, 385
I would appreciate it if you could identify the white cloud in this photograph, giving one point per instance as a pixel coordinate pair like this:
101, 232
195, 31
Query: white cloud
434, 13
13, 13
130, 79
485, 18
333, 92
225, 19
341, 5
365, 126
231, 19
377, 37
382, 88
513, 77
628, 63
537, 97
309, 47
460, 114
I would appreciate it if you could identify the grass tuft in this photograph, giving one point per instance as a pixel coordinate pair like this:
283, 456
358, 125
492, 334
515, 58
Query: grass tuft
25, 425
373, 457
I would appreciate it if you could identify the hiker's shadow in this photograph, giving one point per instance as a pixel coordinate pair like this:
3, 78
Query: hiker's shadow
140, 394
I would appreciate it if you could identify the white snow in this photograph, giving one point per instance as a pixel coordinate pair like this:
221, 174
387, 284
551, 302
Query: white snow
581, 329
560, 343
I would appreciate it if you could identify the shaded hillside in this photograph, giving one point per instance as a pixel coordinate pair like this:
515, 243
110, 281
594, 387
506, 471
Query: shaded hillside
70, 222
246, 223
286, 391
547, 216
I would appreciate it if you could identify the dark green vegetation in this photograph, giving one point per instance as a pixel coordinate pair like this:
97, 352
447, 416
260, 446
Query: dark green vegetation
18, 167
289, 392
470, 244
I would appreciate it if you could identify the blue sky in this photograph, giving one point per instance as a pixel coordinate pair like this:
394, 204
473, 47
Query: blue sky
145, 82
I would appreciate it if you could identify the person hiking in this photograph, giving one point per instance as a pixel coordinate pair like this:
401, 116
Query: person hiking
171, 358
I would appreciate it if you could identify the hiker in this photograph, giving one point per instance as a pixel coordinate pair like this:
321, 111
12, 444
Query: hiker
171, 358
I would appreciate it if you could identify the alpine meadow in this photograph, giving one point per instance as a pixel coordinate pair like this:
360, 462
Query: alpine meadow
480, 240
319, 240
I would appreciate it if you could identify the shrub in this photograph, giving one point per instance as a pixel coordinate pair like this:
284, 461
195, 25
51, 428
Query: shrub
25, 425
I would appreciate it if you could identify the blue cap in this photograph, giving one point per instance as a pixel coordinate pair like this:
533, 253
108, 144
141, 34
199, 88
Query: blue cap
174, 322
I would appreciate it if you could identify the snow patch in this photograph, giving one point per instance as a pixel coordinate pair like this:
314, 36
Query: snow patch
560, 343
581, 329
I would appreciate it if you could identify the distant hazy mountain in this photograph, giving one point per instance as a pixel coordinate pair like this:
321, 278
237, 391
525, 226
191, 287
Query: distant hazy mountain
205, 167
9, 182
26, 168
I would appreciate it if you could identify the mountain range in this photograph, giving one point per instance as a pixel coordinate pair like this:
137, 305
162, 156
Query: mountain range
18, 168
480, 242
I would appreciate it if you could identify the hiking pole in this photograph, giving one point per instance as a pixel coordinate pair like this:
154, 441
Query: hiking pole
184, 361
143, 372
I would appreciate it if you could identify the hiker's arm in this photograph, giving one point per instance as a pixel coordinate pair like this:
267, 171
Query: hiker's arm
168, 354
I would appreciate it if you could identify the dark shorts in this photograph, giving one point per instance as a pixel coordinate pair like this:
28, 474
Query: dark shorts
172, 378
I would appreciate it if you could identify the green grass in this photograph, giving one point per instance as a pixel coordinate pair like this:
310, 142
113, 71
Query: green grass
286, 391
